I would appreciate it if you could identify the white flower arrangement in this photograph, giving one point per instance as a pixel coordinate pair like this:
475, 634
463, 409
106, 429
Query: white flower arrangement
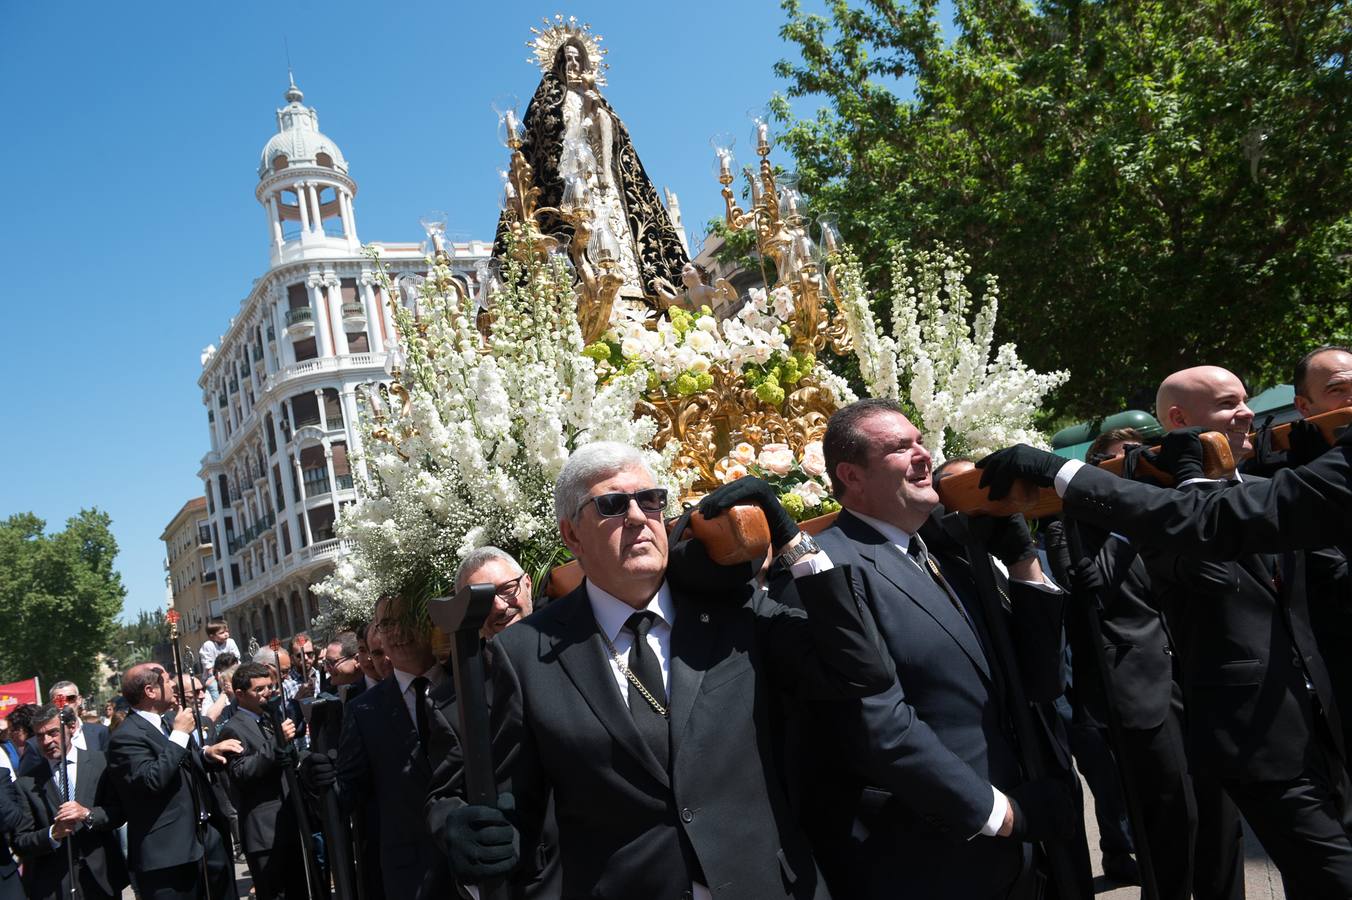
463, 449
937, 363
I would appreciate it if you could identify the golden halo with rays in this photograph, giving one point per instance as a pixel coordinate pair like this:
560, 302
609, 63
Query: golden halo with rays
558, 32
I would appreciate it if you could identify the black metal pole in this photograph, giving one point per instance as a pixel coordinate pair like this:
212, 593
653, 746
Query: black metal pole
286, 755
75, 891
461, 617
1061, 867
1144, 859
338, 844
202, 823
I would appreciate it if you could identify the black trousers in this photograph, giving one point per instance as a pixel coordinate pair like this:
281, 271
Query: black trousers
278, 872
185, 882
1304, 824
1158, 766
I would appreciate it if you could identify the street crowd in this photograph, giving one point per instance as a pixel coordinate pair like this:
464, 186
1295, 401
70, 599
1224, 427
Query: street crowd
900, 705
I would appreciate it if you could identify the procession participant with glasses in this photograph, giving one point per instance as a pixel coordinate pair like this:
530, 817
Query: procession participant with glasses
88, 735
640, 702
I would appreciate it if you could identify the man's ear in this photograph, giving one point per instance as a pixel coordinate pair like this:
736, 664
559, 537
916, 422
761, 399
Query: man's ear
1175, 418
849, 475
1302, 406
568, 531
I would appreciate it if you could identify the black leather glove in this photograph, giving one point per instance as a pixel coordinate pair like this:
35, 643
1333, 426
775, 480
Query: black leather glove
1007, 538
750, 489
1002, 468
1180, 454
318, 773
1307, 444
480, 842
1044, 810
1086, 577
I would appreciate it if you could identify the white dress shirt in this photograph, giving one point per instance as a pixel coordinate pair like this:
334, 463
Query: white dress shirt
611, 613
178, 737
71, 754
433, 675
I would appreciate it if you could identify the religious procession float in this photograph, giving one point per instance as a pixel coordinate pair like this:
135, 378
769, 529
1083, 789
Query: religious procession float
591, 322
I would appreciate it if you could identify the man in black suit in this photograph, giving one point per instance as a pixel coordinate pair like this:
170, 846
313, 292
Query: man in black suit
382, 771
1261, 715
641, 705
940, 803
14, 819
88, 816
178, 843
88, 736
267, 821
511, 603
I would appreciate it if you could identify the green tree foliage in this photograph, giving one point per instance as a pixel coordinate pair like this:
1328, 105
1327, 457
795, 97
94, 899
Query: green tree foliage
60, 594
135, 642
1156, 184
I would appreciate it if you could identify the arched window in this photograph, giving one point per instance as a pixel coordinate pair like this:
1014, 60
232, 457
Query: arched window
280, 162
323, 159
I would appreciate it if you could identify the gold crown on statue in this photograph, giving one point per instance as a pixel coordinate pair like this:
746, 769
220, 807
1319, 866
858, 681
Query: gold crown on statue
560, 31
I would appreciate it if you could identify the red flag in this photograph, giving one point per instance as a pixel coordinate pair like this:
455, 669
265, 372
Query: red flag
11, 695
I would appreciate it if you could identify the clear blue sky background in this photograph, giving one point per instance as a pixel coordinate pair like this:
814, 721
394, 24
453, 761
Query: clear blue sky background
127, 170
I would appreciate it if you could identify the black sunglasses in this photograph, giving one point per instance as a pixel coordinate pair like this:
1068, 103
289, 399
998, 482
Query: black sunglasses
609, 506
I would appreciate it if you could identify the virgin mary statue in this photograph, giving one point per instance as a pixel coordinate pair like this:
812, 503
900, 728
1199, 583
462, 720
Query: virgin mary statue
573, 140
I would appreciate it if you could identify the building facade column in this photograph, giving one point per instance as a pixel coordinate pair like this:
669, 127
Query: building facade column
374, 332
317, 219
303, 202
301, 508
323, 338
335, 292
275, 222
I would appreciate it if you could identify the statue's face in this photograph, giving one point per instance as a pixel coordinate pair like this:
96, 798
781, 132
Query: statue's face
572, 63
690, 276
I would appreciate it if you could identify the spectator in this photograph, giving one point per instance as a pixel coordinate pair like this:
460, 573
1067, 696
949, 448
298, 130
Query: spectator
218, 641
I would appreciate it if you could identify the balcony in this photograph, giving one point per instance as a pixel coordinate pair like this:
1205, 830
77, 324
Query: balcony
272, 334
258, 351
344, 482
316, 481
234, 385
300, 322
203, 536
354, 313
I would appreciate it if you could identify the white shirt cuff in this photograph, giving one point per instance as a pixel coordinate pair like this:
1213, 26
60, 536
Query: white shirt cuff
1187, 481
54, 842
998, 810
1064, 474
811, 565
180, 738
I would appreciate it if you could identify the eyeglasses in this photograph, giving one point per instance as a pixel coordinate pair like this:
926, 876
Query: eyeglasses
610, 506
71, 698
507, 590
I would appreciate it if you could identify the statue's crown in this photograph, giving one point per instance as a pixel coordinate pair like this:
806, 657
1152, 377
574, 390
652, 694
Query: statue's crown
560, 31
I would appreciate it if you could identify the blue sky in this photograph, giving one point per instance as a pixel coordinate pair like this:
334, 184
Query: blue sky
128, 168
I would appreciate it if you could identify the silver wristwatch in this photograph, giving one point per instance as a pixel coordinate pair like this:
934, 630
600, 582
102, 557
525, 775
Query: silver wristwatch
805, 547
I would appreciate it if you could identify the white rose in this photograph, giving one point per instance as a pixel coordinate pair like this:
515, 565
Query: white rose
812, 492
631, 347
700, 364
707, 323
743, 453
814, 461
700, 341
777, 459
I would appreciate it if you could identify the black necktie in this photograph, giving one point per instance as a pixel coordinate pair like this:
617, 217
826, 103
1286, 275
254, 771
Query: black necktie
420, 709
652, 725
917, 552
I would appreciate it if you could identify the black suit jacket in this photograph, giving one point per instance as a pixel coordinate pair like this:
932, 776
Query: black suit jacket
258, 789
162, 787
1246, 643
628, 827
14, 819
383, 778
921, 757
1134, 635
98, 853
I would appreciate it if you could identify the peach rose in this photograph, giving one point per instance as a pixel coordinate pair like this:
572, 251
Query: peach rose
733, 472
777, 459
814, 462
743, 453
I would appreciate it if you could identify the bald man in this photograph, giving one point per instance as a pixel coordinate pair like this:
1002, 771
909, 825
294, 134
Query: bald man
1261, 716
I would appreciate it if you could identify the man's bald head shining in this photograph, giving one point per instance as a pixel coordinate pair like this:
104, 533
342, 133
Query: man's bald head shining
1207, 397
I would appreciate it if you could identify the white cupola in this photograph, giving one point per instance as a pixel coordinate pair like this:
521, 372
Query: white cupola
304, 187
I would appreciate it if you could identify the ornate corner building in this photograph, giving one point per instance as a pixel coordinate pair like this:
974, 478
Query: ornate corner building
281, 389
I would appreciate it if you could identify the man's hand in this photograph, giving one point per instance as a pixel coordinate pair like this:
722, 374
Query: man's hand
1086, 577
221, 751
288, 729
1043, 810
305, 691
480, 842
69, 817
1006, 537
318, 773
184, 720
1180, 454
749, 489
1002, 468
1307, 443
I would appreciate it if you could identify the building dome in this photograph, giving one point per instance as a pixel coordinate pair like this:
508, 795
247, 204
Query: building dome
298, 141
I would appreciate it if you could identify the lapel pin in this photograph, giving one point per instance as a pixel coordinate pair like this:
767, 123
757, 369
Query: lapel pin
704, 617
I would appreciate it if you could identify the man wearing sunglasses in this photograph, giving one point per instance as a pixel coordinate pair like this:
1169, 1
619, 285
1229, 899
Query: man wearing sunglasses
640, 704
